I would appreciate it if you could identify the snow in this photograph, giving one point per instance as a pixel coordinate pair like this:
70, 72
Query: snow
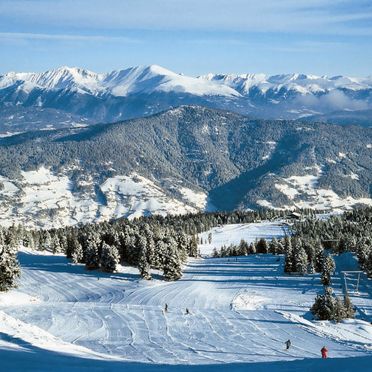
353, 176
242, 310
234, 233
287, 190
134, 196
8, 188
140, 79
303, 192
301, 83
52, 200
153, 78
265, 203
199, 199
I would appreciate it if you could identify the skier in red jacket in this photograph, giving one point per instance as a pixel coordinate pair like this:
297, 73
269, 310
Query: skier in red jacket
324, 352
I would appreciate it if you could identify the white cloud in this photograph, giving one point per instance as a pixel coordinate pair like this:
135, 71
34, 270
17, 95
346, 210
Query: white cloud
64, 37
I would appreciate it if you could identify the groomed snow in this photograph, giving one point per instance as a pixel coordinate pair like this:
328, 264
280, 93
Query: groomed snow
242, 310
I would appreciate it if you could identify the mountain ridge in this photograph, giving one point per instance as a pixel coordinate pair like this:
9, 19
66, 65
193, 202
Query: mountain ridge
183, 160
67, 97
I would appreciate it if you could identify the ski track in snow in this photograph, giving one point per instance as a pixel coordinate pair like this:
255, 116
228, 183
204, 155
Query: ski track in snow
238, 312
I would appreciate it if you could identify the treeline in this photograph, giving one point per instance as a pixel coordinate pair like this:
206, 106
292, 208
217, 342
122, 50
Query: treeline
349, 232
148, 243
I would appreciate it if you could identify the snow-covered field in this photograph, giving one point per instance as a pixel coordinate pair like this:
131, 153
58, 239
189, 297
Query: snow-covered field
234, 233
52, 200
304, 191
242, 310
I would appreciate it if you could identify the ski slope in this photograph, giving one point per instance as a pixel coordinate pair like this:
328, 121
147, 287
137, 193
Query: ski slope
234, 233
242, 310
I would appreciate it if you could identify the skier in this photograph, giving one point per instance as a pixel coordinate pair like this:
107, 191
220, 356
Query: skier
288, 344
187, 311
324, 352
166, 308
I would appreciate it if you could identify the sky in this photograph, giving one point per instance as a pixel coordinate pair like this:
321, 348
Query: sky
323, 37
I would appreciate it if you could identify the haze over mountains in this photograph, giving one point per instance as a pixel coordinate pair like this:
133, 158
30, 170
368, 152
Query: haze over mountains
187, 159
66, 96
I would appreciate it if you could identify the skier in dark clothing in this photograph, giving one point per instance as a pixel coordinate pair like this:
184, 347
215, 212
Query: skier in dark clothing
288, 344
166, 308
187, 311
324, 352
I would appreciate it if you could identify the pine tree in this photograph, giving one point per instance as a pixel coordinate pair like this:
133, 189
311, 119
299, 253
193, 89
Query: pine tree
319, 258
172, 263
9, 267
109, 258
46, 241
91, 254
300, 258
288, 263
193, 247
328, 269
349, 308
55, 246
143, 264
252, 248
77, 254
324, 305
261, 246
274, 246
329, 307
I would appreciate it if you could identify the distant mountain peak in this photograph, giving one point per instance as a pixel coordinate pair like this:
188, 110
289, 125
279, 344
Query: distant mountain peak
75, 95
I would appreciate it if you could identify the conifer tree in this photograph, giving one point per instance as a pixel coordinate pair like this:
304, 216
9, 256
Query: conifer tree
172, 262
288, 263
261, 246
55, 246
91, 253
143, 264
274, 246
77, 254
300, 258
9, 267
109, 258
328, 269
329, 307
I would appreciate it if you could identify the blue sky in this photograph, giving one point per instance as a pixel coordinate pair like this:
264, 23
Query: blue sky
191, 36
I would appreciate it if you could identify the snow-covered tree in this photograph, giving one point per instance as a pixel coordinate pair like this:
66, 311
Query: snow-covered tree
9, 267
77, 254
274, 246
329, 307
328, 269
45, 241
55, 245
300, 258
91, 253
109, 258
144, 265
172, 269
288, 264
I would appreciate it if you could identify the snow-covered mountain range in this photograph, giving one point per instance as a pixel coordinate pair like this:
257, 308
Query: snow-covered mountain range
69, 96
187, 159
